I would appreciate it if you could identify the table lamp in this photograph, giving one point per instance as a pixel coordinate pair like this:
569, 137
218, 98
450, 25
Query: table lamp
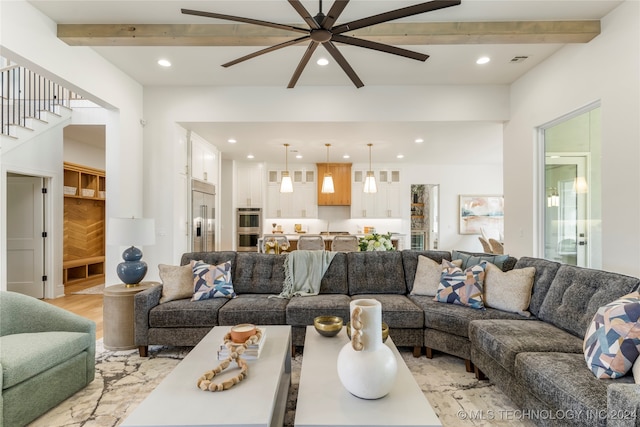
134, 232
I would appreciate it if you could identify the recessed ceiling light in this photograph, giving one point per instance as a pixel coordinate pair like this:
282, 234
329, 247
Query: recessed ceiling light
250, 156
164, 63
346, 156
298, 156
322, 61
419, 140
231, 141
483, 60
400, 156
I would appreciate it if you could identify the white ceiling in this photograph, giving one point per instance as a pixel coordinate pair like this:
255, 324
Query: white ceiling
448, 64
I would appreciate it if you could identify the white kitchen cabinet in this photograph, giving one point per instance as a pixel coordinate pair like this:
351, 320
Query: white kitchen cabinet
204, 159
249, 179
302, 203
385, 203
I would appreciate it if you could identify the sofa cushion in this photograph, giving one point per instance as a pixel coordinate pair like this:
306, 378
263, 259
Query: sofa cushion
503, 340
398, 311
26, 355
378, 272
462, 287
177, 282
334, 280
258, 273
562, 383
258, 309
455, 319
213, 258
612, 343
185, 313
302, 310
545, 272
471, 259
410, 263
509, 291
576, 293
211, 281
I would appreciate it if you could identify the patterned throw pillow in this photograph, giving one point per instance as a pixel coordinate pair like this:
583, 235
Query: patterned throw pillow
612, 343
211, 281
462, 287
469, 260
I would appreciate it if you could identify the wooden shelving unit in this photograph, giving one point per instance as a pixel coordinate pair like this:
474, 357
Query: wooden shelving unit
84, 225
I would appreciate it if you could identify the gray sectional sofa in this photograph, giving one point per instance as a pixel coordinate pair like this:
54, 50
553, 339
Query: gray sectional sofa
537, 360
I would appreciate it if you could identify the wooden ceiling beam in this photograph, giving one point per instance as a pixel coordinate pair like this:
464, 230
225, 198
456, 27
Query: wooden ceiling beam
423, 33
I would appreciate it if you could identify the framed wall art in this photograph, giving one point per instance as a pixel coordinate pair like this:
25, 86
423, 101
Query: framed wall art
481, 212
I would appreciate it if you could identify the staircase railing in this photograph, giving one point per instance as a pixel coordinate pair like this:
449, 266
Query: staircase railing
26, 94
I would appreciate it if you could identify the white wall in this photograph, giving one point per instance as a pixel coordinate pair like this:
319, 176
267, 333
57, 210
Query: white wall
83, 154
606, 69
29, 38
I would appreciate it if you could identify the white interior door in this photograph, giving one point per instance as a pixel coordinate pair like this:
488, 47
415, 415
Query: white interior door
25, 244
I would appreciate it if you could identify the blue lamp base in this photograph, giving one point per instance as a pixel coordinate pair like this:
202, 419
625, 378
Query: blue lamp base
132, 270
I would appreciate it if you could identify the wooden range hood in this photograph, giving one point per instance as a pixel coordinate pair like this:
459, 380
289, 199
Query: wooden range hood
341, 173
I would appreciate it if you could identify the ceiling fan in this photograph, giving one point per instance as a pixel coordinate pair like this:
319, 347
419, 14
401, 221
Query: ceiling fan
322, 31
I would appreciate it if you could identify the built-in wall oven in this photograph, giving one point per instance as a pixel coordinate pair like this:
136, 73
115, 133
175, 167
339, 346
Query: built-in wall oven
249, 229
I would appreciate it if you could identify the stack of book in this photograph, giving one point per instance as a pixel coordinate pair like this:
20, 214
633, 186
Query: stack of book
251, 353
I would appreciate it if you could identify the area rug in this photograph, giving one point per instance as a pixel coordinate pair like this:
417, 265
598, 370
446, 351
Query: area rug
94, 290
123, 379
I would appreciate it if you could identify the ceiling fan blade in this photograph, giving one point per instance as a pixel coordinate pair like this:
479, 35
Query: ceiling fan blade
303, 63
335, 53
302, 11
244, 20
368, 44
267, 50
334, 13
395, 14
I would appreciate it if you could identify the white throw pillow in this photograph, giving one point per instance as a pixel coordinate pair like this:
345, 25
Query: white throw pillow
428, 274
636, 370
177, 282
509, 291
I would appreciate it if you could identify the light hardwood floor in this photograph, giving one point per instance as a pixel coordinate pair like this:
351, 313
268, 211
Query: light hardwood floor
89, 306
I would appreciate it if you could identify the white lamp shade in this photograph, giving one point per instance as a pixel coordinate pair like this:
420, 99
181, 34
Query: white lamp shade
370, 183
131, 231
286, 185
327, 184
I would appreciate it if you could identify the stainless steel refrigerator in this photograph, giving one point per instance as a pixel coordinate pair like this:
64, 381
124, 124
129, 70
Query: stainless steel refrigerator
203, 216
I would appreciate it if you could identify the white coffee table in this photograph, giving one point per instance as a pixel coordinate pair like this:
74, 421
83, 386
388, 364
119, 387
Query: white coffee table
323, 401
259, 400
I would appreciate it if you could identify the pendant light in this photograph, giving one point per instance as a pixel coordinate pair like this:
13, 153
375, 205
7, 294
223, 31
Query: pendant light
370, 180
286, 185
327, 181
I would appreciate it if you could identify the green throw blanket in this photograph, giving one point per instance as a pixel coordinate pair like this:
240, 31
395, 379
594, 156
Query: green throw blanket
303, 271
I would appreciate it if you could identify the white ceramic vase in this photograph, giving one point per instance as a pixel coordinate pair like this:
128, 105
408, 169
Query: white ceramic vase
367, 368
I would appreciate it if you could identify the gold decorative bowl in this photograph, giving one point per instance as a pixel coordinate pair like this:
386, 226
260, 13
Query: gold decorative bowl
385, 331
328, 326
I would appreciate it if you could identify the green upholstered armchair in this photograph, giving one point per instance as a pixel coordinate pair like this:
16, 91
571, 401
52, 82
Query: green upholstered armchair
46, 355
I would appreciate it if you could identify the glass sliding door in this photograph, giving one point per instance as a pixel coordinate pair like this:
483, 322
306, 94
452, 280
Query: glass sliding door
571, 196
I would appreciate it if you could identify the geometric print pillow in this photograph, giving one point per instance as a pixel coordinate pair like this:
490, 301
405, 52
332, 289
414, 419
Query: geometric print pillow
462, 287
612, 343
211, 281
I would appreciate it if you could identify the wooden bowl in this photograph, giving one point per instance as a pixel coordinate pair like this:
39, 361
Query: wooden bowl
240, 333
385, 331
328, 326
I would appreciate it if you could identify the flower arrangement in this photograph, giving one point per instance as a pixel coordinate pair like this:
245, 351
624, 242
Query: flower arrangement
376, 242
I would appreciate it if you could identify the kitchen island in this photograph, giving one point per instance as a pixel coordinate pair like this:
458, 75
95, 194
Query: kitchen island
327, 237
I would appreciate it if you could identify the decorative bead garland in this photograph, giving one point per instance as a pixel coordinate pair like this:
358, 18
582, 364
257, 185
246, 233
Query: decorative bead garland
356, 325
235, 351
